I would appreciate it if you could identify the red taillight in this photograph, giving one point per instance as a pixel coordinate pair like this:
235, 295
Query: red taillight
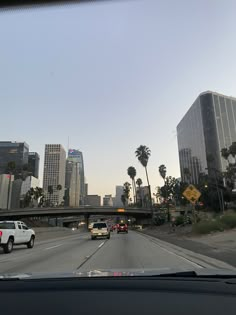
0, 233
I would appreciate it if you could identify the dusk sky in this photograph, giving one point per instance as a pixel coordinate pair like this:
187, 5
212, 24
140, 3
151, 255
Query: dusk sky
111, 76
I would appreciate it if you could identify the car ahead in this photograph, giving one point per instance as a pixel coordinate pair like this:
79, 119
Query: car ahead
100, 229
15, 233
90, 226
122, 227
113, 227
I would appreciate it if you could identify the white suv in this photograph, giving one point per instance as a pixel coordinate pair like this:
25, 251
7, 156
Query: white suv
100, 229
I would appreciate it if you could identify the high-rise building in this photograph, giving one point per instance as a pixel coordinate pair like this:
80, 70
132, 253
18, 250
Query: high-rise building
33, 164
72, 184
15, 195
54, 173
107, 200
6, 181
93, 200
119, 193
86, 189
16, 152
77, 156
207, 128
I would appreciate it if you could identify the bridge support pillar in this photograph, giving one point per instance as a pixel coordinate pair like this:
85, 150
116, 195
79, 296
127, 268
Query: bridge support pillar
86, 218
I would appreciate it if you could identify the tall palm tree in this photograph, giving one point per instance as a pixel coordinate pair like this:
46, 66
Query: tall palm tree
131, 171
225, 153
126, 190
143, 153
139, 183
162, 172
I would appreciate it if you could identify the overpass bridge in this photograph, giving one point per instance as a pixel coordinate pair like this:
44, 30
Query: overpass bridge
16, 214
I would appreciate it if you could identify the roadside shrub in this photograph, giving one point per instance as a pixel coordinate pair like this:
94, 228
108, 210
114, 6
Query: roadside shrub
205, 227
229, 220
179, 220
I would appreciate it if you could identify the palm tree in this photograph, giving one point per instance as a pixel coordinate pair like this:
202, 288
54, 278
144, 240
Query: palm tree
143, 153
162, 172
131, 171
225, 153
139, 183
127, 190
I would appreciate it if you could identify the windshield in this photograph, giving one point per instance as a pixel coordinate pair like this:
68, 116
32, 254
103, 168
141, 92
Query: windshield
99, 225
118, 137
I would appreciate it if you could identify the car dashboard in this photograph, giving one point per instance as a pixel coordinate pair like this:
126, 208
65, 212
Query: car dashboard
128, 295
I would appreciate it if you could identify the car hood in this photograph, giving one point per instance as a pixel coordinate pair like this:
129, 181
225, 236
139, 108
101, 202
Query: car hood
123, 273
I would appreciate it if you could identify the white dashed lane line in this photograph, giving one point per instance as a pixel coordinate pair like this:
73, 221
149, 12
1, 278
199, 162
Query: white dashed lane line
53, 246
101, 245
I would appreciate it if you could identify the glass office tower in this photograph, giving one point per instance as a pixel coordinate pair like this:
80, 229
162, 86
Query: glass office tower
207, 127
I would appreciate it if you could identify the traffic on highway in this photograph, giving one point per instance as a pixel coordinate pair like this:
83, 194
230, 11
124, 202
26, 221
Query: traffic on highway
118, 157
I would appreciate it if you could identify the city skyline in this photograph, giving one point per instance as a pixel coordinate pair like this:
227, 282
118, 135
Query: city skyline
97, 74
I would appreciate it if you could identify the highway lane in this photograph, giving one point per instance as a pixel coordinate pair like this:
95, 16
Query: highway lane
79, 252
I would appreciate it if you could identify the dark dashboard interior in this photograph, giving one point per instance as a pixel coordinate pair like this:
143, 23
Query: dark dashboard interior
135, 295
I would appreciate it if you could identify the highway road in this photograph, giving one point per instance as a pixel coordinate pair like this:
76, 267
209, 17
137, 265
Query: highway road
79, 252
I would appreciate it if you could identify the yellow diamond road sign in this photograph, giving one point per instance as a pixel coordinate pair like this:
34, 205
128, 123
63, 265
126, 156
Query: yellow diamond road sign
192, 194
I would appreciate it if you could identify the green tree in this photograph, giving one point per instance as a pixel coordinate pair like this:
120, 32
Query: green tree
59, 187
131, 171
143, 153
139, 182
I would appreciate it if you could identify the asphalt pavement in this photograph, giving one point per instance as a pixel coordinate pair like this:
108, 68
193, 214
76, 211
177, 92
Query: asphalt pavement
77, 252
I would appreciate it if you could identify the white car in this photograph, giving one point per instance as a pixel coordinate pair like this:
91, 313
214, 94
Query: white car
15, 233
100, 229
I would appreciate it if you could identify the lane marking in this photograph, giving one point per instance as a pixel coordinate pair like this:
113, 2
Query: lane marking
101, 244
53, 246
90, 256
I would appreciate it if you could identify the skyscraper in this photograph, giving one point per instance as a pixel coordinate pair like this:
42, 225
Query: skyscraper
93, 200
107, 200
16, 152
54, 173
207, 128
6, 181
33, 164
72, 184
77, 156
119, 193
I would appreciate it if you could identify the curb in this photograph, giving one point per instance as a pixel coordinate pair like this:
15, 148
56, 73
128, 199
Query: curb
200, 260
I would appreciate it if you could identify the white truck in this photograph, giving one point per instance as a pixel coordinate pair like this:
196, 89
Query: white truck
15, 233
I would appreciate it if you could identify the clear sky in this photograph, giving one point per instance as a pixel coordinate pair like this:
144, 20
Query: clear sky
112, 76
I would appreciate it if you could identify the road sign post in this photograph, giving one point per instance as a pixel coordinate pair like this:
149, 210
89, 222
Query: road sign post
192, 194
